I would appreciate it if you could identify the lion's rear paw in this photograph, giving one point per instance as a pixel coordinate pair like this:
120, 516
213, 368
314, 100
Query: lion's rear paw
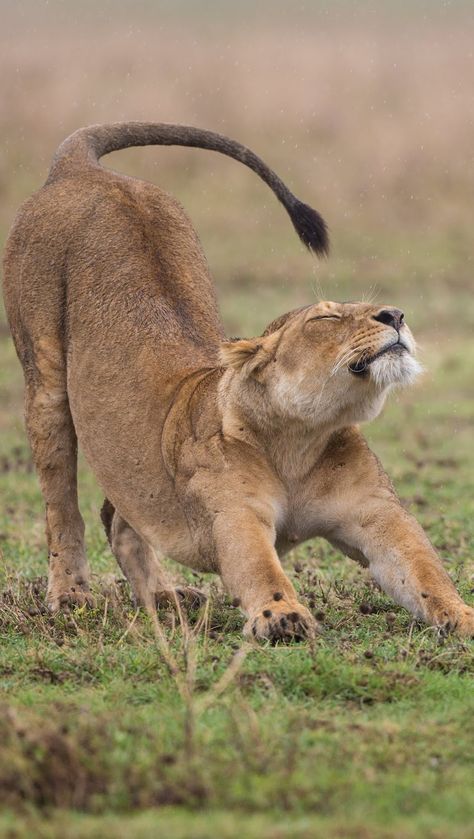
282, 621
187, 596
74, 597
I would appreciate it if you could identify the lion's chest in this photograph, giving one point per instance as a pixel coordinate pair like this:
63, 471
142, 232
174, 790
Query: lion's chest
311, 508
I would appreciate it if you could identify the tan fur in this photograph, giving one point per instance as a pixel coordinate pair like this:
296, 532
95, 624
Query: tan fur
220, 455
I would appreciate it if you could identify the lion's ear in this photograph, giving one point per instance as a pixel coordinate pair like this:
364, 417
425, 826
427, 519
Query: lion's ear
245, 352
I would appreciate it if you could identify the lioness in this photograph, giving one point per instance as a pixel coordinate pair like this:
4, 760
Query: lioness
220, 454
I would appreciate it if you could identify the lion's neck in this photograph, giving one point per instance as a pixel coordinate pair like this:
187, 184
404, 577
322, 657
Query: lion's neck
292, 443
291, 447
295, 450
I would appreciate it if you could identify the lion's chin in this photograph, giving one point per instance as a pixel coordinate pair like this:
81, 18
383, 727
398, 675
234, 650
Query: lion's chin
394, 369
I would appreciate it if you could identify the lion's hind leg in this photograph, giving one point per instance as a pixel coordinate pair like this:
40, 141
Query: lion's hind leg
54, 447
150, 584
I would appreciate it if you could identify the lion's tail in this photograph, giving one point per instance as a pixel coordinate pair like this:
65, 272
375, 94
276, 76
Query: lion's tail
87, 145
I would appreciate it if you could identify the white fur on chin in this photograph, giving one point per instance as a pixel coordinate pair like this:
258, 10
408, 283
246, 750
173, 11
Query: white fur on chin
391, 370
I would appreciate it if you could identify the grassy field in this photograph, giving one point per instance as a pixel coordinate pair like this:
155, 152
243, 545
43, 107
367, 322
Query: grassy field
110, 726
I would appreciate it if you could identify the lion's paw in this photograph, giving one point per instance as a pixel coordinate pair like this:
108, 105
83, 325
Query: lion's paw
465, 622
187, 596
74, 597
458, 619
280, 620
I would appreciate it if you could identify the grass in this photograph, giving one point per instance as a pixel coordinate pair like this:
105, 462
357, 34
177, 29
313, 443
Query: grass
111, 726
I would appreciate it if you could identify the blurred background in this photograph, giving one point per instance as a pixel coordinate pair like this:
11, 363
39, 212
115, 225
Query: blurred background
365, 110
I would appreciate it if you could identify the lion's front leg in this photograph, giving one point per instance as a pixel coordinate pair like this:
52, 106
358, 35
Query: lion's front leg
405, 564
251, 572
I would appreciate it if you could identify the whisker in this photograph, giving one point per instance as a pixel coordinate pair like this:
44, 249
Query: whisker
340, 361
353, 347
357, 352
317, 289
347, 356
322, 391
374, 292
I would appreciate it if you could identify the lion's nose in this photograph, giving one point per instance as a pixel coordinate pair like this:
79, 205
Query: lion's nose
392, 317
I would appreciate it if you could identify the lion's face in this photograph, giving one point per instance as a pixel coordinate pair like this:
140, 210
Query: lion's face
329, 362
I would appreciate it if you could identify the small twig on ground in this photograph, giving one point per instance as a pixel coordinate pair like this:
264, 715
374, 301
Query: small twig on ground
129, 627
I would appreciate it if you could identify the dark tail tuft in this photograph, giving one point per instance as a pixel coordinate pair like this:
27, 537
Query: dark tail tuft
107, 515
86, 146
310, 227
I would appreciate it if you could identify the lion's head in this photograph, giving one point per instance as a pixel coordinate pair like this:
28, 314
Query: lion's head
330, 363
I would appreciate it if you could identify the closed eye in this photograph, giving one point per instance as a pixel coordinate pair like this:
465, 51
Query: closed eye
324, 317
